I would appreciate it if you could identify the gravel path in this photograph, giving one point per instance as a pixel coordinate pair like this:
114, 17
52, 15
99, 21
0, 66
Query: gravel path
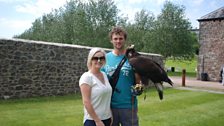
197, 85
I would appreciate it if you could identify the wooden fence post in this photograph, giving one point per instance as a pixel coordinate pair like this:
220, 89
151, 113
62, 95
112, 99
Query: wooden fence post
183, 77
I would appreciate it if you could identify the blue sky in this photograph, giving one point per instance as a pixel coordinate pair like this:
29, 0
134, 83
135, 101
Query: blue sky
17, 15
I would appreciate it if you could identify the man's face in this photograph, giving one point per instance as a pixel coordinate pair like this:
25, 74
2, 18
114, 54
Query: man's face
118, 41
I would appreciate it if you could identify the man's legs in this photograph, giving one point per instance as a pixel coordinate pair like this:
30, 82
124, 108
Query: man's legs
125, 117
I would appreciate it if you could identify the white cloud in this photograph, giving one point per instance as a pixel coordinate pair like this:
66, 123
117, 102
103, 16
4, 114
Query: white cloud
40, 7
197, 2
130, 12
130, 7
13, 27
13, 1
159, 2
136, 1
15, 24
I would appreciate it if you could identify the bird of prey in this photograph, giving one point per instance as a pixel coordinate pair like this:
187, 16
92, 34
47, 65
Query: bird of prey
147, 69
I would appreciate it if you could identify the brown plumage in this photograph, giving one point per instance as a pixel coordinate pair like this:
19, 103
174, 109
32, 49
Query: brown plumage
147, 69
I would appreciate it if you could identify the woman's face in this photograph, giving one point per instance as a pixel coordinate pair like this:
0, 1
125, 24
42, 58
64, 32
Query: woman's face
98, 60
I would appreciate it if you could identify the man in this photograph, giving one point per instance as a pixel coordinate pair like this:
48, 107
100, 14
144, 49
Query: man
123, 102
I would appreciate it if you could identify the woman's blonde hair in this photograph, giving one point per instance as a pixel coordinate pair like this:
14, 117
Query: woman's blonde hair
92, 52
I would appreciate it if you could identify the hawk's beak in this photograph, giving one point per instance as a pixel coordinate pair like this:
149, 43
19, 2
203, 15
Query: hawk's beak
131, 46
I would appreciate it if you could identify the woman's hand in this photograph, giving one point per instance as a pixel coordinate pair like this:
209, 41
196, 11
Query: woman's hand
99, 123
111, 121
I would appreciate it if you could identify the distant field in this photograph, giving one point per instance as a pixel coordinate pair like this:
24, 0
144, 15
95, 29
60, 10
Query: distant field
179, 65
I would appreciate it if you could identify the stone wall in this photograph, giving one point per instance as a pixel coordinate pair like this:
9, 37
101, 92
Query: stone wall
33, 68
211, 52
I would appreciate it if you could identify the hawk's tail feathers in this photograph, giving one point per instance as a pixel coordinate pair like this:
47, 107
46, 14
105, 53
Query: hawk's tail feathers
169, 81
159, 88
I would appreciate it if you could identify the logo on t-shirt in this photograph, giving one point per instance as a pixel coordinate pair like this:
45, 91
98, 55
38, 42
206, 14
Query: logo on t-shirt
125, 69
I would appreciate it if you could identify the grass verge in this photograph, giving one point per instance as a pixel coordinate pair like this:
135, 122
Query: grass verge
179, 65
179, 108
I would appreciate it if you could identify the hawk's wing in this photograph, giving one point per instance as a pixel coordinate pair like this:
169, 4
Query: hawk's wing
146, 67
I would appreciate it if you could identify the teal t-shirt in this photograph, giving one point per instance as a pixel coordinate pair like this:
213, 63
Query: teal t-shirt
123, 98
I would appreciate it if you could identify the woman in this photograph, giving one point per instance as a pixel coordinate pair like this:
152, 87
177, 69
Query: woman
96, 91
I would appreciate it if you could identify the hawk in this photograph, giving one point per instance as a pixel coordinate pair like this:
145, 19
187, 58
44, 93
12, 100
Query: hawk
147, 69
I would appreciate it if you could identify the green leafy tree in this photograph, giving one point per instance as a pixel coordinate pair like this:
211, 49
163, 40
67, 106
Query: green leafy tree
36, 30
102, 14
172, 35
140, 31
89, 24
76, 23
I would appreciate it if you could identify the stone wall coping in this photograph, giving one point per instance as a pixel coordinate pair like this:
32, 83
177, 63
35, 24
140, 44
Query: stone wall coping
68, 45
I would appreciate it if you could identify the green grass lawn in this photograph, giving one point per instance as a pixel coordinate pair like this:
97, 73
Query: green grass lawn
46, 111
179, 108
179, 65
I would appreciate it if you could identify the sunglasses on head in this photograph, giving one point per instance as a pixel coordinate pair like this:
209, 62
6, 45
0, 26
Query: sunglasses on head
99, 58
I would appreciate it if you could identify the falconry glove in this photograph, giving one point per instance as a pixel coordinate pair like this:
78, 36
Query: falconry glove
137, 89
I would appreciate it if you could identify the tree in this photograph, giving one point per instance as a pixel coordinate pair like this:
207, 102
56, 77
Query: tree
102, 14
140, 31
36, 30
89, 23
76, 23
172, 35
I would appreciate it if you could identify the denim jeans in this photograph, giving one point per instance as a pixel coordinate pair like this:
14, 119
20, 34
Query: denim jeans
125, 117
92, 122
